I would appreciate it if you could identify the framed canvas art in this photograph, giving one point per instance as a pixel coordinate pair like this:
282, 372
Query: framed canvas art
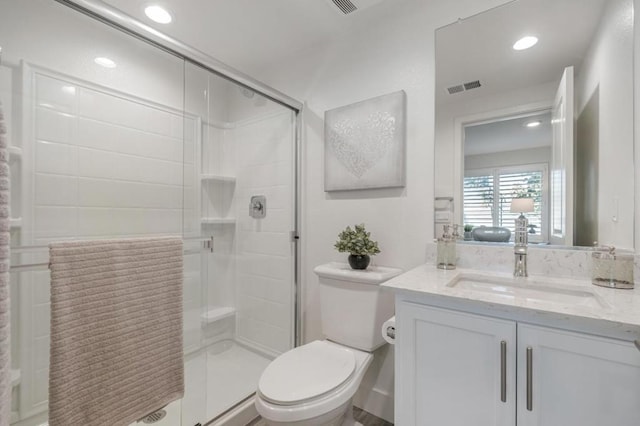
364, 144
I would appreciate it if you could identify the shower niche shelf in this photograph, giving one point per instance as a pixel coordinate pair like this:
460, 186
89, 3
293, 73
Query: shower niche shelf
216, 313
218, 220
217, 178
15, 152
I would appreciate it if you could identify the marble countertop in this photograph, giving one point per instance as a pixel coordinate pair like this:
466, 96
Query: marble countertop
597, 310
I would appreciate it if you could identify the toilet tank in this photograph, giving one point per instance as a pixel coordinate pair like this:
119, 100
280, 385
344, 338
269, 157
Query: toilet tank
353, 306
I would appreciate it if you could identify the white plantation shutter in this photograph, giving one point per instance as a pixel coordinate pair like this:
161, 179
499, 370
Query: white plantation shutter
488, 194
478, 200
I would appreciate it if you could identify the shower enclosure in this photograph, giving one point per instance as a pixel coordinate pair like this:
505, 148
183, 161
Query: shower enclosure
113, 137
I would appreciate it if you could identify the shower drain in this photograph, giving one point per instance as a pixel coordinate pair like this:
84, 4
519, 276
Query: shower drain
154, 417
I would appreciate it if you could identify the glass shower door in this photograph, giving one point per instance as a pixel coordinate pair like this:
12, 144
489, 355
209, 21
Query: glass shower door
147, 144
246, 206
97, 152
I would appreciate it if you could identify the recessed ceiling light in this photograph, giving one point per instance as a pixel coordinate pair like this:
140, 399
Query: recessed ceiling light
532, 124
105, 62
158, 14
525, 43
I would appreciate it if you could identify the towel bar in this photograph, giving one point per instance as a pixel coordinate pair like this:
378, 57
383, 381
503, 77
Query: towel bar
43, 266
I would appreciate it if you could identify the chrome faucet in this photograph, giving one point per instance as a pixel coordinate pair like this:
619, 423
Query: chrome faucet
520, 247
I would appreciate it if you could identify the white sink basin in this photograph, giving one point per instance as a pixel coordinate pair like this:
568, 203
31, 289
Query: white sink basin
526, 289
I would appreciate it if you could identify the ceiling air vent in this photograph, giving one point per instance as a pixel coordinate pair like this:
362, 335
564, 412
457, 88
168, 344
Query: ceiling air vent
472, 85
464, 87
345, 6
455, 89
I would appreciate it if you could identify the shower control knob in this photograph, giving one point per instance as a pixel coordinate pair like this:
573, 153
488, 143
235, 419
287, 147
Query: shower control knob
258, 206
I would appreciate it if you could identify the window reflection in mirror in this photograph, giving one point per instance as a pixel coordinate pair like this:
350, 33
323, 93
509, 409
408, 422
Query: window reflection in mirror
577, 82
506, 159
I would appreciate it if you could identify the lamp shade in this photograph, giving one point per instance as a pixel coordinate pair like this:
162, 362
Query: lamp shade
522, 205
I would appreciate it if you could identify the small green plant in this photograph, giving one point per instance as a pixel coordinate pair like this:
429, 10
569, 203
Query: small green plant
468, 228
356, 242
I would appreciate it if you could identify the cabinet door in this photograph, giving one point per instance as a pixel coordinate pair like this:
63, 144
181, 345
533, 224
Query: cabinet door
450, 368
576, 379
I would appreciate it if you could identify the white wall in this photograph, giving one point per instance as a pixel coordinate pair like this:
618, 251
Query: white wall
608, 68
396, 54
508, 158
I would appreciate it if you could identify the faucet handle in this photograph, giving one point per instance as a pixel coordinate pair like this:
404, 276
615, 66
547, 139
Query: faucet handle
604, 248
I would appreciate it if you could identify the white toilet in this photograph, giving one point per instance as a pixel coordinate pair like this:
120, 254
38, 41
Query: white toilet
314, 384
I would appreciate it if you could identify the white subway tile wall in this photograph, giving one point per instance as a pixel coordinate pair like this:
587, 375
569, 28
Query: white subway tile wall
265, 251
106, 165
102, 165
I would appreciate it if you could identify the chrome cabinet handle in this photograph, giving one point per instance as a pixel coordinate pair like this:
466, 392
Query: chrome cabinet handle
530, 378
503, 371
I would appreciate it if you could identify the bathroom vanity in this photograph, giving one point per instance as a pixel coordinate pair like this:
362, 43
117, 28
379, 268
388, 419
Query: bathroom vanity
482, 348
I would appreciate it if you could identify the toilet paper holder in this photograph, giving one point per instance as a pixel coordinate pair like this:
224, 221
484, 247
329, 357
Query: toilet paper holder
388, 330
391, 332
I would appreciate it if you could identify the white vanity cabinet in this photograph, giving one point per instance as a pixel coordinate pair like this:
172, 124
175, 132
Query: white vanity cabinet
453, 368
458, 369
576, 379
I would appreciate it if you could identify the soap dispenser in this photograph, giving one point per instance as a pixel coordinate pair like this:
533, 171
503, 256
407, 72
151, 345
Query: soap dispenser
446, 248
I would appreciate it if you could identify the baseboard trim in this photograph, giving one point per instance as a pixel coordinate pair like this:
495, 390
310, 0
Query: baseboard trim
377, 402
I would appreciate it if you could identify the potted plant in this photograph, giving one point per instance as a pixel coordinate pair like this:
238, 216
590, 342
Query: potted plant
359, 246
467, 232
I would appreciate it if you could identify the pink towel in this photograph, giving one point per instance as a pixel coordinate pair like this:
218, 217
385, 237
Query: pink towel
116, 330
5, 335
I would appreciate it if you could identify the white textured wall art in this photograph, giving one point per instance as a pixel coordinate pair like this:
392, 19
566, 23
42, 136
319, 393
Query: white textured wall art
364, 144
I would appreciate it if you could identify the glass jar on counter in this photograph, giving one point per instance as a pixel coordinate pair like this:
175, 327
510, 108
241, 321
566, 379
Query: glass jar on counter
611, 269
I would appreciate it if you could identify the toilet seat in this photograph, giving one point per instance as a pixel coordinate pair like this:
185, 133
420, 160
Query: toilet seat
321, 404
306, 373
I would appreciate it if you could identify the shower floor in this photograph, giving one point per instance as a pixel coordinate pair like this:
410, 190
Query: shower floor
232, 374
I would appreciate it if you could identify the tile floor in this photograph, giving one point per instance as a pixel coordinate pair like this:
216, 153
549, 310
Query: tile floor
362, 418
368, 419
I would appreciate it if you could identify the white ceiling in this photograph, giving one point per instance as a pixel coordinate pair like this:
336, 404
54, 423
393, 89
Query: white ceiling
247, 34
480, 47
253, 34
508, 135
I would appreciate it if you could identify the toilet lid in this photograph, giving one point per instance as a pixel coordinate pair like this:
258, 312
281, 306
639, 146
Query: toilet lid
306, 372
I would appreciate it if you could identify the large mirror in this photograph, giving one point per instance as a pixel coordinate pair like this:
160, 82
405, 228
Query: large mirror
552, 122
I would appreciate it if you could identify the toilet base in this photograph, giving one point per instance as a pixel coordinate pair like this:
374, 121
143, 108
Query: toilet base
341, 416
